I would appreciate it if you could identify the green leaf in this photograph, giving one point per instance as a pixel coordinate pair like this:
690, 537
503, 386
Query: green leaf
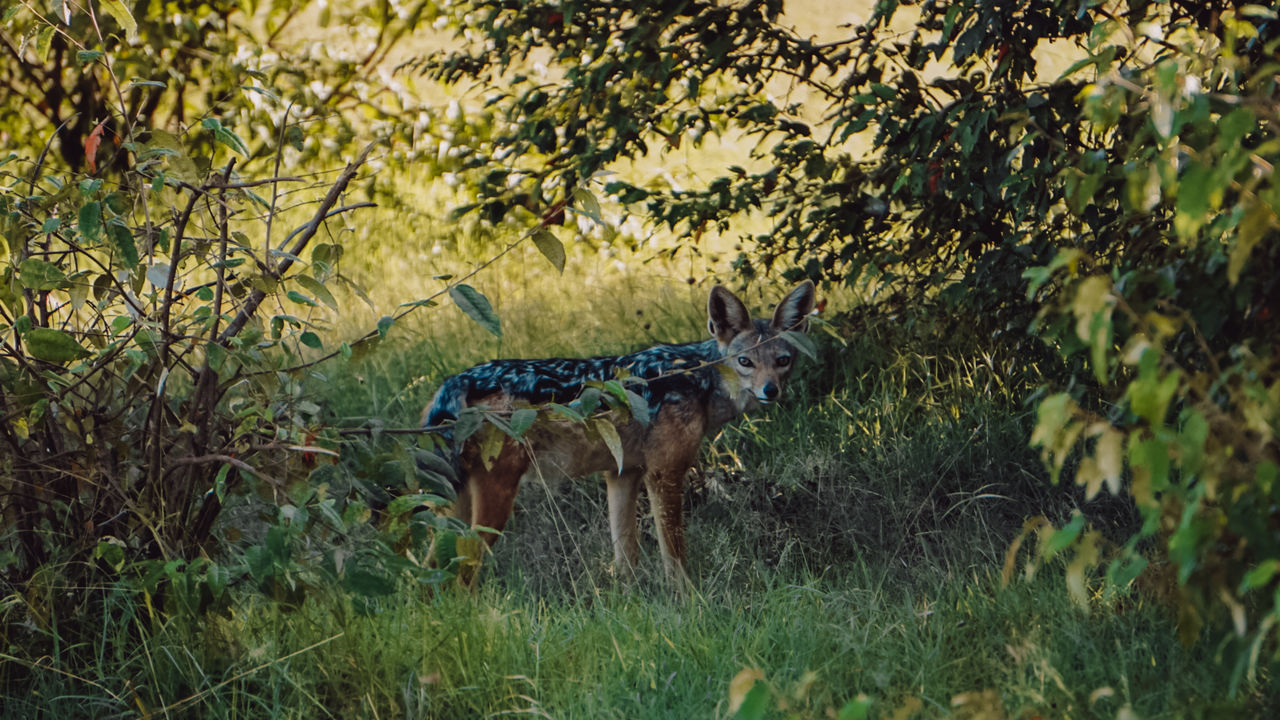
639, 407
1149, 459
477, 307
1193, 434
1149, 395
301, 299
117, 10
112, 553
158, 275
1126, 570
1064, 536
613, 387
755, 704
311, 340
369, 582
316, 288
550, 247
53, 345
122, 238
405, 503
225, 136
216, 356
1194, 200
566, 412
43, 41
326, 253
521, 420
431, 462
84, 57
384, 325
1258, 220
90, 221
39, 275
293, 137
609, 434
469, 420
1260, 576
169, 146
801, 342
855, 709
586, 203
79, 288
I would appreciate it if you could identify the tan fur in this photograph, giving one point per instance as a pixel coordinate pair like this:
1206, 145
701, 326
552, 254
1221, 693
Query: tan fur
658, 455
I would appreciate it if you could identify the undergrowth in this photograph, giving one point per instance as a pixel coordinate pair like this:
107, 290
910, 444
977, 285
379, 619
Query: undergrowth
847, 548
940, 644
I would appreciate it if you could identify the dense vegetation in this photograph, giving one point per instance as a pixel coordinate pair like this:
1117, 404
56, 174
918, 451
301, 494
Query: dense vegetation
203, 476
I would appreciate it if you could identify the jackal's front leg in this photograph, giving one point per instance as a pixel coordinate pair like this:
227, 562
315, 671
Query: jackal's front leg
666, 498
623, 493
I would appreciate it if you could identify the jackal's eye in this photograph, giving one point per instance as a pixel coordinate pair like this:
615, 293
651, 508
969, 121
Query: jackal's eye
782, 361
745, 361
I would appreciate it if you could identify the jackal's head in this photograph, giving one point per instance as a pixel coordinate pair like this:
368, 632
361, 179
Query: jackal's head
755, 350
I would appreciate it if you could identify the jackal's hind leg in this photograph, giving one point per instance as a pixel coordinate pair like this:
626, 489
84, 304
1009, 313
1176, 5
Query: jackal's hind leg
623, 493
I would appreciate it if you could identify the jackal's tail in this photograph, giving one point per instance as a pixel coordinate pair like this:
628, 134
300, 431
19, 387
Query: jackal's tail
440, 415
445, 406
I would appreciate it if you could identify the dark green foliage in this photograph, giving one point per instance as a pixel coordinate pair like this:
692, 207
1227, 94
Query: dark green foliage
90, 80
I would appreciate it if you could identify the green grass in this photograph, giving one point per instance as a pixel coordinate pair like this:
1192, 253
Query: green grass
845, 544
820, 641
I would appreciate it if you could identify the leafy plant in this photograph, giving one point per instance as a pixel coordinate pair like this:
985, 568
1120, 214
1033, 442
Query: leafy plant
1180, 330
160, 320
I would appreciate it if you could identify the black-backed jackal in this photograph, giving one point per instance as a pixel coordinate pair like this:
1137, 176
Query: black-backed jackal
690, 395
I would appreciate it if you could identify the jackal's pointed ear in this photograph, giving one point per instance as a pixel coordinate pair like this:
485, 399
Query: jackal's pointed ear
727, 317
793, 311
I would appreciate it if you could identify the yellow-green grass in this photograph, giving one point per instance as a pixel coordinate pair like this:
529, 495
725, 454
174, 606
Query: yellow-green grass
819, 641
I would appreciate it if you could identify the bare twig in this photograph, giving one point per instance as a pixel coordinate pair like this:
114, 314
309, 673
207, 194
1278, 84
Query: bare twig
309, 230
226, 459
